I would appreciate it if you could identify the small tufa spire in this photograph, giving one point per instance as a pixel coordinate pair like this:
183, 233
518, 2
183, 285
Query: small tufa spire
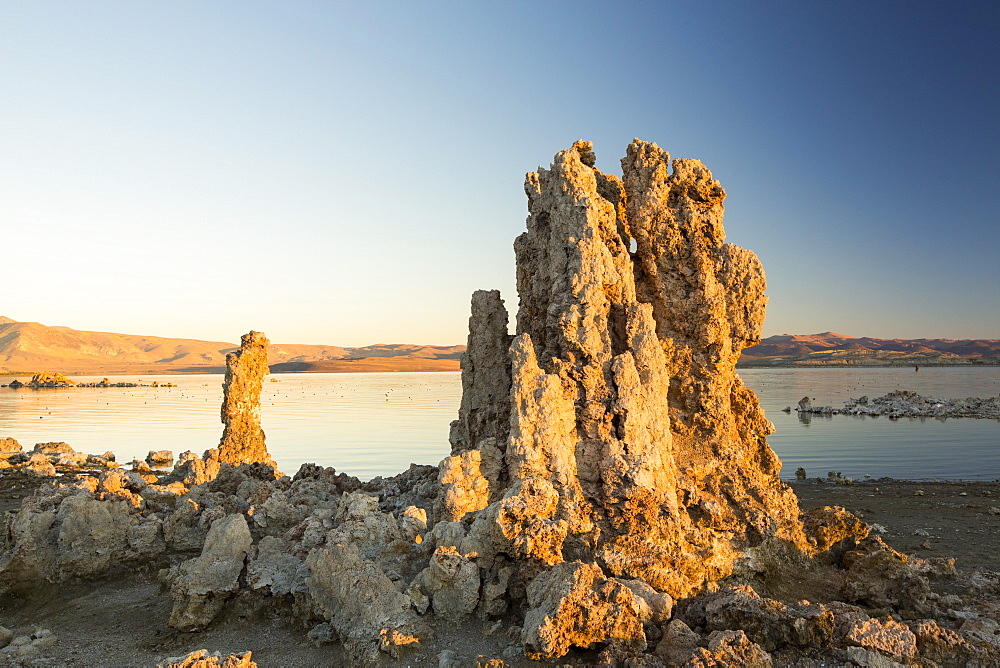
242, 438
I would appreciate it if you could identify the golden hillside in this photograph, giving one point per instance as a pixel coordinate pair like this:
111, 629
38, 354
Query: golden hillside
26, 347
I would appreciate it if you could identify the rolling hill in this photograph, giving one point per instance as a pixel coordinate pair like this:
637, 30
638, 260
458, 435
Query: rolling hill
832, 349
26, 347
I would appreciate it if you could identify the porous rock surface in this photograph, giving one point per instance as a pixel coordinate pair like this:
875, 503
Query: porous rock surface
574, 604
26, 650
243, 438
614, 430
203, 659
48, 459
201, 586
904, 403
86, 528
45, 379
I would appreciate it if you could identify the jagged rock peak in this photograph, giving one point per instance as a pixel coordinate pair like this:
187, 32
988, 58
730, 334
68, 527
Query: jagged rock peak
243, 438
629, 441
486, 381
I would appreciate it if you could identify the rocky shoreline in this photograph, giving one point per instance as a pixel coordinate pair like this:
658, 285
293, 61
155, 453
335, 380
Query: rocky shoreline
610, 498
957, 518
58, 380
904, 403
848, 360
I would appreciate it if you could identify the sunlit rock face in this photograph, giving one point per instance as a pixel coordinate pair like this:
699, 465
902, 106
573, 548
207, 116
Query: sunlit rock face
242, 438
614, 429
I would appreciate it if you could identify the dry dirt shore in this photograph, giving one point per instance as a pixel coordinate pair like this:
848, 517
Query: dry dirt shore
122, 621
926, 519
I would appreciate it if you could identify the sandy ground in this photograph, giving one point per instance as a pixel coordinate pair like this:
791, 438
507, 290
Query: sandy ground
927, 519
122, 622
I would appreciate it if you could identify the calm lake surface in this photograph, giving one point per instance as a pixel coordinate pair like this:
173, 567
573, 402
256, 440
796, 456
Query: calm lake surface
370, 424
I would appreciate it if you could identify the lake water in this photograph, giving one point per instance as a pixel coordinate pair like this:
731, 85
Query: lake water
370, 424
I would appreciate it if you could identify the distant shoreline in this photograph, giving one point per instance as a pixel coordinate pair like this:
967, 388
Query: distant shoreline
31, 347
799, 364
363, 365
380, 365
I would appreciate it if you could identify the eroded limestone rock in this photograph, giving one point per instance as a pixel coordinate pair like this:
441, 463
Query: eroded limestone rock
769, 623
203, 584
39, 466
832, 526
678, 643
905, 403
271, 566
364, 607
242, 438
46, 460
450, 582
202, 659
11, 454
730, 648
887, 637
28, 650
880, 577
614, 430
78, 530
45, 379
464, 487
159, 457
190, 469
485, 405
947, 647
573, 604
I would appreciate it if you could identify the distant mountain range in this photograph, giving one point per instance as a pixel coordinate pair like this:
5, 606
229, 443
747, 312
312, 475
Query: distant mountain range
27, 347
832, 349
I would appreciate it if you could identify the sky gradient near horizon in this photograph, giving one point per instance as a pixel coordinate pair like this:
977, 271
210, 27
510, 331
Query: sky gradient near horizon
348, 173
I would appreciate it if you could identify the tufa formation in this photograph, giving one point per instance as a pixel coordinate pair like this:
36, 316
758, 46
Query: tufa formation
613, 429
242, 438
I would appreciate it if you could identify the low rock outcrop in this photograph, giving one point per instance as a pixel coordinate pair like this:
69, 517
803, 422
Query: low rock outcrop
28, 649
202, 659
201, 586
85, 529
159, 457
574, 604
45, 379
449, 584
51, 380
47, 460
904, 403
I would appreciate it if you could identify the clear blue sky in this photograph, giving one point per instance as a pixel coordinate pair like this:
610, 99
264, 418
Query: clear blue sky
348, 173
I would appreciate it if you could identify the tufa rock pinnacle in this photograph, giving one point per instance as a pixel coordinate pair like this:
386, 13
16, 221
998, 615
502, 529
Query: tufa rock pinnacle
242, 438
614, 430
